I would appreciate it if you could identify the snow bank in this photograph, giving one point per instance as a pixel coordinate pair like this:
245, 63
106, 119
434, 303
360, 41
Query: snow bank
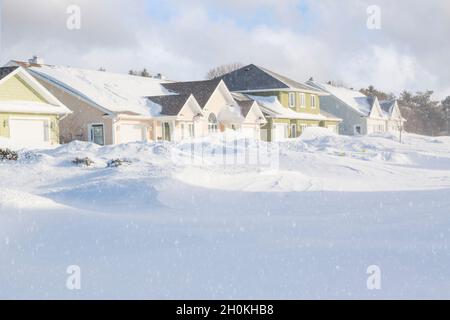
168, 229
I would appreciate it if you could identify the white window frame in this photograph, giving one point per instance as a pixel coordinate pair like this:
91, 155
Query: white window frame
302, 100
182, 131
191, 128
90, 126
292, 100
313, 101
164, 131
213, 127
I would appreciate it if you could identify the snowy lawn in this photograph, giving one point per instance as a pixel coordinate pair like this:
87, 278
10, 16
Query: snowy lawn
156, 227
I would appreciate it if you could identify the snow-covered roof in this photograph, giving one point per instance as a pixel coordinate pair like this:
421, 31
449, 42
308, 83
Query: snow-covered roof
387, 106
354, 99
253, 78
273, 107
116, 93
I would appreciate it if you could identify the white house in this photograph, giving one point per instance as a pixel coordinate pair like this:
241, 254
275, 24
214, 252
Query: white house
361, 114
222, 109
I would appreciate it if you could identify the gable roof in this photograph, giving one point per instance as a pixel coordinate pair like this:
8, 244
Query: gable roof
352, 98
255, 78
169, 105
388, 106
201, 90
50, 104
113, 93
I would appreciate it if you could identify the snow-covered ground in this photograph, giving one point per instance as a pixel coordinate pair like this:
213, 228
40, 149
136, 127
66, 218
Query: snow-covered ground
162, 227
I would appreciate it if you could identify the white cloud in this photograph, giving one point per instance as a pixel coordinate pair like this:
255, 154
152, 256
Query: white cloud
330, 42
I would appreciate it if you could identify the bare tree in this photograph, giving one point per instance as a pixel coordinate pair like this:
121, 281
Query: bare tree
223, 69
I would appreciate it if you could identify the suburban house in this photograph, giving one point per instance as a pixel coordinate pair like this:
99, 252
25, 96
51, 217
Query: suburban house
288, 106
221, 108
29, 113
109, 108
361, 114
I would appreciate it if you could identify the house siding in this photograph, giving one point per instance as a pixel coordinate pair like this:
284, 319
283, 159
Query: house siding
15, 89
76, 125
350, 117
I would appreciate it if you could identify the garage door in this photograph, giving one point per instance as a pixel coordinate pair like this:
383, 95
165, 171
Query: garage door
131, 133
29, 132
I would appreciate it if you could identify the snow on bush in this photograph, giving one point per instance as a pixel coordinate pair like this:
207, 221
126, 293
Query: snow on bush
118, 162
83, 162
8, 155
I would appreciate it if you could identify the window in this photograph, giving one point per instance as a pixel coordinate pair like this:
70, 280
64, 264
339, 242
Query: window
166, 131
97, 134
303, 127
357, 130
182, 131
191, 130
302, 100
213, 126
292, 102
293, 131
313, 102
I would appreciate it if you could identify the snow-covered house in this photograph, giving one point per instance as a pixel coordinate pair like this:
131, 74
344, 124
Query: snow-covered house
289, 106
110, 108
395, 120
29, 113
361, 114
221, 108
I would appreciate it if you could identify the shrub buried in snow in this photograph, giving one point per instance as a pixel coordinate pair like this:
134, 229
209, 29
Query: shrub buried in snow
6, 154
83, 162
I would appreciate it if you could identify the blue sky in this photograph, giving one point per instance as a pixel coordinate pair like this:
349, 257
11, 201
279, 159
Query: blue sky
326, 39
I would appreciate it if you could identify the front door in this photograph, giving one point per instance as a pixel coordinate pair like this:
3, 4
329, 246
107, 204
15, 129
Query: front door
98, 134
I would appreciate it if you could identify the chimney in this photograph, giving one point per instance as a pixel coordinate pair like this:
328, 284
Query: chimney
36, 60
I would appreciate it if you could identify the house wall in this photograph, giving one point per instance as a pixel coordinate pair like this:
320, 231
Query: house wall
15, 89
76, 125
283, 97
217, 101
52, 119
350, 117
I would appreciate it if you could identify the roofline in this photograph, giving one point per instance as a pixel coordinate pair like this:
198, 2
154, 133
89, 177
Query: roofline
317, 93
275, 75
41, 90
72, 92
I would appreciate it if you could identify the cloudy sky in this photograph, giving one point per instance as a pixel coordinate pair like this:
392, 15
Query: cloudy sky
183, 39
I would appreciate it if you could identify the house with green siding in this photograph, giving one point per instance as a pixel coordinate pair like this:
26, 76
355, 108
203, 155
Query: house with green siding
288, 105
29, 113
